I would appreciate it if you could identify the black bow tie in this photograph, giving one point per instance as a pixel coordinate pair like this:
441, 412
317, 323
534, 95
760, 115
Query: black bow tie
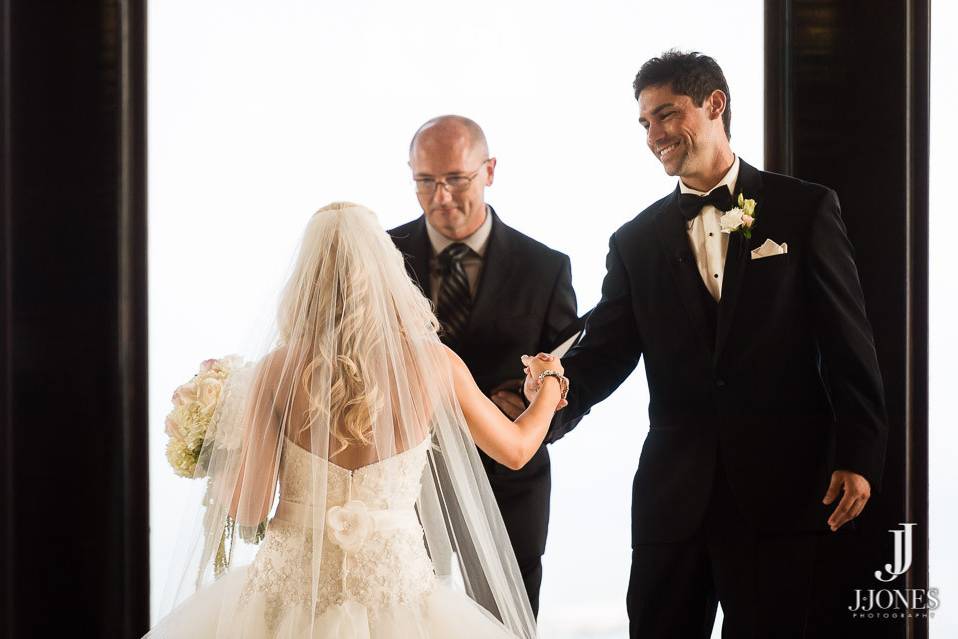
719, 197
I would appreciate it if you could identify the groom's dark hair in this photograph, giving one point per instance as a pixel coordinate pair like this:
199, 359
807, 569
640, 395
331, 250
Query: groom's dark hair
693, 74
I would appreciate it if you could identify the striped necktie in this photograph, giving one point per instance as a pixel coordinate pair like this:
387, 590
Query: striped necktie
454, 302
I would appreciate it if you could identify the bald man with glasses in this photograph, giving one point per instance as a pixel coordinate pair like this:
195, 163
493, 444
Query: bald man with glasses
498, 294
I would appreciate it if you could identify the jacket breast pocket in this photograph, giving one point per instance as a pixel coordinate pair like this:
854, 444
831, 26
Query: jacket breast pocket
766, 276
770, 266
768, 260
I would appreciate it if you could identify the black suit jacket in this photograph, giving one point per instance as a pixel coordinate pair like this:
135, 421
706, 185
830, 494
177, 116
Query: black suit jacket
788, 391
523, 302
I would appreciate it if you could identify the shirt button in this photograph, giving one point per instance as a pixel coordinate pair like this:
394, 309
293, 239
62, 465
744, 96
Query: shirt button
711, 234
720, 383
716, 275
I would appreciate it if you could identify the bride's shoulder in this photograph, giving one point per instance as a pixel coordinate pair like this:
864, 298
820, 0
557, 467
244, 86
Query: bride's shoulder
444, 358
452, 356
433, 348
460, 372
280, 352
270, 366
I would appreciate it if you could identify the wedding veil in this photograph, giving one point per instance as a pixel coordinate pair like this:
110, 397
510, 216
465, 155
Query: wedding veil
355, 375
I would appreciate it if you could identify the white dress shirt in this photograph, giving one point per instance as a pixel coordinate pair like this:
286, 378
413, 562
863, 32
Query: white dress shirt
471, 264
709, 244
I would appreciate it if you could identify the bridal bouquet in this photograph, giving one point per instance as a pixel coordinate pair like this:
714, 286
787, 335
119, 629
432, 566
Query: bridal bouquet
206, 415
192, 420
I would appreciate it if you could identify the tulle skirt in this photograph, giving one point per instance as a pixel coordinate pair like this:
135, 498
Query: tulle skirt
442, 612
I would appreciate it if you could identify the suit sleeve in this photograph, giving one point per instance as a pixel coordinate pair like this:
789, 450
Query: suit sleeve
608, 351
846, 345
561, 311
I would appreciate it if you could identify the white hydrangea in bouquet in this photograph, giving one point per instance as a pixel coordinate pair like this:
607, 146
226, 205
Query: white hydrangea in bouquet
194, 416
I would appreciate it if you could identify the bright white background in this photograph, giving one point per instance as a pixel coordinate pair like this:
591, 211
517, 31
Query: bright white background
943, 339
260, 113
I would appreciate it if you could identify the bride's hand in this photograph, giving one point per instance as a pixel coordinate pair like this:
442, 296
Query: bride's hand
535, 366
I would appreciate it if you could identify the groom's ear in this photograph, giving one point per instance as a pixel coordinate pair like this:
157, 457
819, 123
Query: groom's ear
715, 104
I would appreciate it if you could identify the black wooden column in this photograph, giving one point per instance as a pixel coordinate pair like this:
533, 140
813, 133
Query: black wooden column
73, 400
847, 93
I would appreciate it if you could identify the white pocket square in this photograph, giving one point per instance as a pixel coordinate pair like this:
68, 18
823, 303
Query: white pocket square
768, 249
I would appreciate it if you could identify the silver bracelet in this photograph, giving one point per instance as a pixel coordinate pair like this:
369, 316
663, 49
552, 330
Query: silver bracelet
563, 381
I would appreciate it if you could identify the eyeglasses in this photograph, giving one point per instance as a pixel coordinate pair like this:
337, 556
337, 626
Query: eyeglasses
453, 183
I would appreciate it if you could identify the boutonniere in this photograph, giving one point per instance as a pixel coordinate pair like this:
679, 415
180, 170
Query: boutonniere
741, 218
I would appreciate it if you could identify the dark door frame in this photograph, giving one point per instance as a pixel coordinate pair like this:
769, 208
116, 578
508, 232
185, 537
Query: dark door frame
824, 61
74, 534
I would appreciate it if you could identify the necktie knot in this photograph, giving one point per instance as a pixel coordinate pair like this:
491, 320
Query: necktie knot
691, 204
452, 255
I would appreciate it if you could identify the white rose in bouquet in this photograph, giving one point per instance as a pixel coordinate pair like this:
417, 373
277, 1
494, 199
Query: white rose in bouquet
189, 423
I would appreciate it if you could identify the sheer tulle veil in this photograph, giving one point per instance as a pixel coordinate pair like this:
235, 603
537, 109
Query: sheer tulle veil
354, 374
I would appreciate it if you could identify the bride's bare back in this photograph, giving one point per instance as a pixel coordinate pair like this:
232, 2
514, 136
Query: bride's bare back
291, 398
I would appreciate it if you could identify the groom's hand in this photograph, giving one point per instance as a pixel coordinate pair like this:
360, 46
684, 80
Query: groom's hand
857, 492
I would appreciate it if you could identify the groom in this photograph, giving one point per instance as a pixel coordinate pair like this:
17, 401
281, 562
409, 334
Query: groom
469, 263
767, 419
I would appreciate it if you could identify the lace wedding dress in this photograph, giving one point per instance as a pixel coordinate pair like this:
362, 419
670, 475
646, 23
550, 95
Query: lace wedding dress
377, 580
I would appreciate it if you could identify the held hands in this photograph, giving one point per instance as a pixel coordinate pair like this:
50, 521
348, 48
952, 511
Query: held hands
535, 366
857, 492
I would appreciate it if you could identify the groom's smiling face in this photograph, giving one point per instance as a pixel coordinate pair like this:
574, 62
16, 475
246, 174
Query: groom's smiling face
682, 135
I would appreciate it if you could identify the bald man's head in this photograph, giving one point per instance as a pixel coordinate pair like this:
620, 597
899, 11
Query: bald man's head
450, 161
451, 129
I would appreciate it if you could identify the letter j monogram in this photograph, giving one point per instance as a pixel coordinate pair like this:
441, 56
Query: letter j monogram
902, 554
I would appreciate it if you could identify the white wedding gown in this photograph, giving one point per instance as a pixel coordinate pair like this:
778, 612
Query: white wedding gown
376, 582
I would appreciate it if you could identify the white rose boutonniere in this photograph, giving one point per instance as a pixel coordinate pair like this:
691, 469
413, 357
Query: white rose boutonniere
741, 218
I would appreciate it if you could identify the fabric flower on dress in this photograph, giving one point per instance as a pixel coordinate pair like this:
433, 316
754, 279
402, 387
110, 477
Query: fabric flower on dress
349, 525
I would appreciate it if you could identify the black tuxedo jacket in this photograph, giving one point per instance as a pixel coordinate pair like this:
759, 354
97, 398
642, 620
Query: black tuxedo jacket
779, 380
523, 301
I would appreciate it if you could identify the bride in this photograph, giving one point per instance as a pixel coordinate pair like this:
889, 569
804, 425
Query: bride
342, 474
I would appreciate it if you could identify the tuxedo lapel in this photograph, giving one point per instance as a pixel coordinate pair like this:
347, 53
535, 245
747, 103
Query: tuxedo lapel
749, 183
673, 237
497, 266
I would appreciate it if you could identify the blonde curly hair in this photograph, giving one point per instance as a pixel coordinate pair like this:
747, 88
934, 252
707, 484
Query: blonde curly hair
346, 263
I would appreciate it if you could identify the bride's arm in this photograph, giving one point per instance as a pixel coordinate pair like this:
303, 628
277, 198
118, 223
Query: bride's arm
255, 485
512, 444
